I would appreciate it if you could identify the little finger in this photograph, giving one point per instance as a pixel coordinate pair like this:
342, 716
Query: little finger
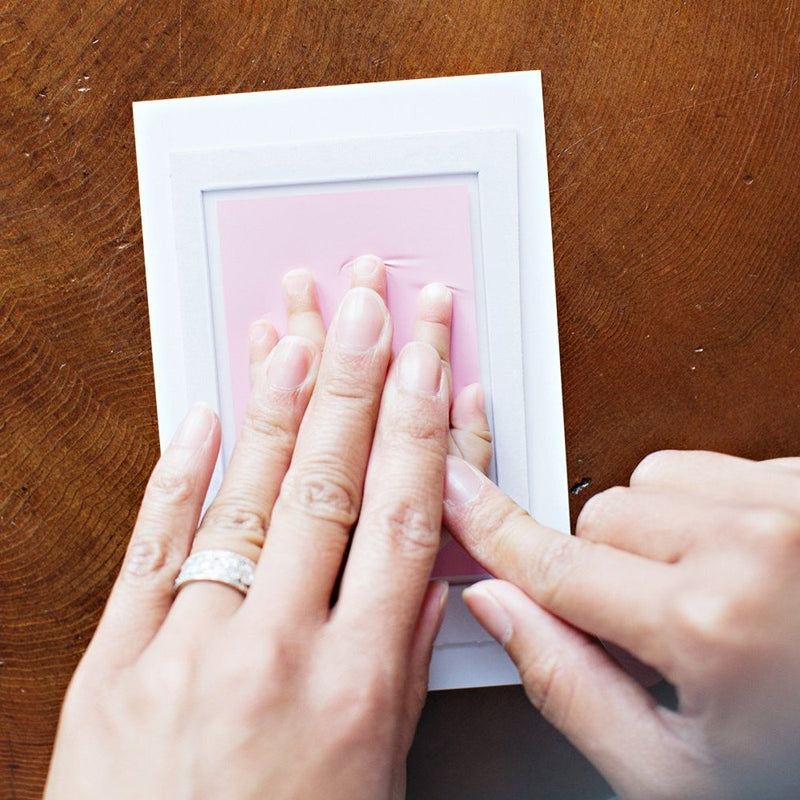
470, 437
718, 477
262, 338
434, 317
304, 317
427, 627
656, 524
143, 592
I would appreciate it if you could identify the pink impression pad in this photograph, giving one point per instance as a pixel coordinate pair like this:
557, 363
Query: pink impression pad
422, 233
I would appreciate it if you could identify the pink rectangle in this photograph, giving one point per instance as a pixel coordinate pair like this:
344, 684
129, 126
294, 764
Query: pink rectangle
422, 233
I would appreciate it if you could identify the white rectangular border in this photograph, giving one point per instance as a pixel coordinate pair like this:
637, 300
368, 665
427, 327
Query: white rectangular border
507, 100
490, 156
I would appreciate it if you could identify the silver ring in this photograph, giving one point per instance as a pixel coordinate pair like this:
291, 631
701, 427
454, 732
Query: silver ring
218, 566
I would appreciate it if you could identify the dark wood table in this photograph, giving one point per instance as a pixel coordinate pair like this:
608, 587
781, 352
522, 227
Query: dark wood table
674, 144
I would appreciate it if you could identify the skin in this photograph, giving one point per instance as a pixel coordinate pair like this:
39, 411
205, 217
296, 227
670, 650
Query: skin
312, 685
695, 570
469, 435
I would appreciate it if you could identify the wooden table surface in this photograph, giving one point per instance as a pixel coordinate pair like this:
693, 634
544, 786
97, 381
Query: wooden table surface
673, 144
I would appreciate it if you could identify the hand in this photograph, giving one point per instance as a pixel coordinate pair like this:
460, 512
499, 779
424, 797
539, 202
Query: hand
311, 685
695, 570
469, 435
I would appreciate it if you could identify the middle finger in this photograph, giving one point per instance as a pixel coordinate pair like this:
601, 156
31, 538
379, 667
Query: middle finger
398, 532
320, 497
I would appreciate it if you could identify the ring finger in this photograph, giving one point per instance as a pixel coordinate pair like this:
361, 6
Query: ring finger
238, 518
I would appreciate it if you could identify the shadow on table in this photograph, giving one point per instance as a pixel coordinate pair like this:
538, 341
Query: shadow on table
490, 744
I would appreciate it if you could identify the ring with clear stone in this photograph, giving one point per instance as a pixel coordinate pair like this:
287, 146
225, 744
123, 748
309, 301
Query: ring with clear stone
217, 566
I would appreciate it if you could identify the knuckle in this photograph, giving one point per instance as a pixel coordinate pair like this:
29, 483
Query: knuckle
354, 719
775, 528
380, 692
472, 447
170, 485
595, 515
504, 524
276, 660
269, 672
546, 572
408, 528
350, 385
706, 622
360, 707
176, 678
652, 466
266, 423
324, 490
426, 432
236, 516
150, 556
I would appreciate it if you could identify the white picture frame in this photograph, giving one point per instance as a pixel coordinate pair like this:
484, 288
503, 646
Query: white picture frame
487, 130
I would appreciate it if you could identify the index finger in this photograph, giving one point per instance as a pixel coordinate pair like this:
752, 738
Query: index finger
613, 594
397, 537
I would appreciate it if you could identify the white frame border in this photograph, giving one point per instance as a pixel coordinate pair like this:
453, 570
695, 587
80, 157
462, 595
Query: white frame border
433, 105
489, 156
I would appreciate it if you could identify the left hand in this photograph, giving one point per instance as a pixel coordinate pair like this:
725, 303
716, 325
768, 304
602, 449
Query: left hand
280, 693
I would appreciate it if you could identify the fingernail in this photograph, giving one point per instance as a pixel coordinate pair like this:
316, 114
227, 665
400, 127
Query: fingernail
366, 266
362, 317
436, 293
486, 607
442, 590
478, 398
143, 558
260, 330
297, 282
444, 593
195, 428
462, 482
420, 368
290, 363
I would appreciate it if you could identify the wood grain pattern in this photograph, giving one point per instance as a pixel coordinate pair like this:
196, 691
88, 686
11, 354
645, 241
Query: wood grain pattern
673, 144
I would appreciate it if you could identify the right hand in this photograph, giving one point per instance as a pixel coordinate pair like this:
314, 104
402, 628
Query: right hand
695, 570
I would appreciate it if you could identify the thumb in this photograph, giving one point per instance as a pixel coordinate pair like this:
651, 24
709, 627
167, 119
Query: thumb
429, 621
578, 688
